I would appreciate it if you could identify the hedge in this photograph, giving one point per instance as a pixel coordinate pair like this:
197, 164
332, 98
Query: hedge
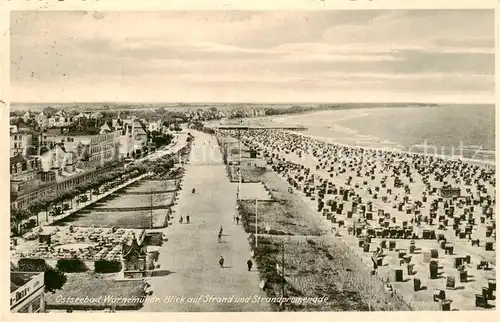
105, 266
73, 265
32, 265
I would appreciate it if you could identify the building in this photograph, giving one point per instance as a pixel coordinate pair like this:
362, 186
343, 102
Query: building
27, 116
57, 158
51, 122
21, 143
24, 171
102, 143
42, 119
155, 126
27, 292
134, 255
62, 119
134, 138
52, 183
126, 143
96, 116
68, 159
140, 136
38, 142
117, 124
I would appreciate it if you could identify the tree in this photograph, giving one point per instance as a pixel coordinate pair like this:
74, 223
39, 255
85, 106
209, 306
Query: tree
17, 215
96, 191
92, 185
82, 198
49, 110
46, 204
54, 279
67, 195
73, 193
56, 211
83, 188
34, 208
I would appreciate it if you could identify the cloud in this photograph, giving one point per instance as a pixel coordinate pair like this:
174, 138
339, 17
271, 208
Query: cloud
252, 53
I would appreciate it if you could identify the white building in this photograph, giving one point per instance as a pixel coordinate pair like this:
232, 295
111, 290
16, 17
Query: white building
20, 142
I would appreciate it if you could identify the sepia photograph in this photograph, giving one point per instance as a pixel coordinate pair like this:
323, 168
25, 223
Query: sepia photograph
252, 161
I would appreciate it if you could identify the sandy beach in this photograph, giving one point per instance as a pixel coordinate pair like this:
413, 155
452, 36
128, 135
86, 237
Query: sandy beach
376, 197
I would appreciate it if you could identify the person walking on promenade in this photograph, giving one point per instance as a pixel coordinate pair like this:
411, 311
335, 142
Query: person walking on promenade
249, 264
220, 231
221, 261
219, 237
181, 220
187, 219
237, 220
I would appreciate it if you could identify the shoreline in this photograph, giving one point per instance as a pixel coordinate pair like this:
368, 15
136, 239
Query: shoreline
275, 119
487, 163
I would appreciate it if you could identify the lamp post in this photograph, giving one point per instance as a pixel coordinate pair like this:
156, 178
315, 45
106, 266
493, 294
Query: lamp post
256, 226
283, 268
151, 213
239, 141
280, 270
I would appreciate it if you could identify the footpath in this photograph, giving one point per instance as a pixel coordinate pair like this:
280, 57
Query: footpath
190, 278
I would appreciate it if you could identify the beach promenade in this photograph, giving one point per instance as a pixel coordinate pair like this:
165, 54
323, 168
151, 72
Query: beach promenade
189, 268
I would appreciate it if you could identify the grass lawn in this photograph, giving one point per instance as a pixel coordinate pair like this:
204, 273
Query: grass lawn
82, 285
289, 214
145, 186
254, 191
281, 217
315, 265
314, 269
118, 200
124, 219
249, 173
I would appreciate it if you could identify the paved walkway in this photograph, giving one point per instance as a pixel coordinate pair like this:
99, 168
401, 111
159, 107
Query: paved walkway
189, 259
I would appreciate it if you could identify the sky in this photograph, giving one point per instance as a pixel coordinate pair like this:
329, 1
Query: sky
242, 56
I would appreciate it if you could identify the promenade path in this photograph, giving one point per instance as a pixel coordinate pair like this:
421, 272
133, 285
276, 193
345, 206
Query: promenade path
189, 259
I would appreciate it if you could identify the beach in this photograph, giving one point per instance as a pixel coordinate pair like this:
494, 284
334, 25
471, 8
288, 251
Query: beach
376, 196
457, 131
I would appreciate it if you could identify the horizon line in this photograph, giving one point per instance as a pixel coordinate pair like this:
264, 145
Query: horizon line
242, 102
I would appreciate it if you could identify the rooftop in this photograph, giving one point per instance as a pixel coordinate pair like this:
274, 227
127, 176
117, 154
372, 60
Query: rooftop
20, 158
73, 132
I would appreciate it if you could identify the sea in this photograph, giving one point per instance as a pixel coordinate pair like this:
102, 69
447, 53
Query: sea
465, 131
459, 131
